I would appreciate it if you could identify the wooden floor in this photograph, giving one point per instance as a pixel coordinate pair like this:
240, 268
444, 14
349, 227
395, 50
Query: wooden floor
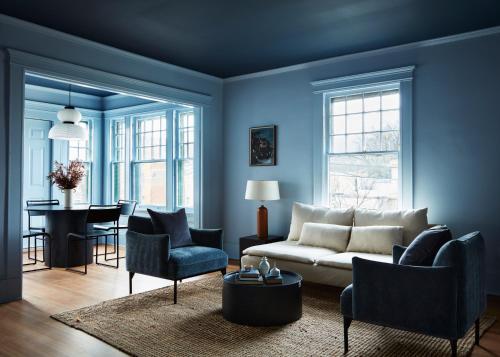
27, 330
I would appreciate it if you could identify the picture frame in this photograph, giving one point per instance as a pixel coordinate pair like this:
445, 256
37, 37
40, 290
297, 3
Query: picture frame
262, 145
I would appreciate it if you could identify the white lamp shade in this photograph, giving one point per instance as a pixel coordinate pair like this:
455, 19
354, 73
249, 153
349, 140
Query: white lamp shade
68, 128
68, 131
262, 190
69, 114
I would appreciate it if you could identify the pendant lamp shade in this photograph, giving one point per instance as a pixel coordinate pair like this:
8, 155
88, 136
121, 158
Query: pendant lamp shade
68, 127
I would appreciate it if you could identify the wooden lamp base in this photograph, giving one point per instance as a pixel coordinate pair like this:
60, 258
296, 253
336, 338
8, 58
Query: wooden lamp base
262, 222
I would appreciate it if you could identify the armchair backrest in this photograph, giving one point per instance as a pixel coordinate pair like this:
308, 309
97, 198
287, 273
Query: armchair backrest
140, 224
466, 255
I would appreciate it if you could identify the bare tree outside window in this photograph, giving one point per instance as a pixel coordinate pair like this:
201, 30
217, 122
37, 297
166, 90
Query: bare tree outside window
363, 159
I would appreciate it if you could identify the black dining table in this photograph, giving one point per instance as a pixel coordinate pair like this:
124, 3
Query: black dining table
59, 221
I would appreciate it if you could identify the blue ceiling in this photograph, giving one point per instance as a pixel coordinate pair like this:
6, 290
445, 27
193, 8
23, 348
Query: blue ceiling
233, 37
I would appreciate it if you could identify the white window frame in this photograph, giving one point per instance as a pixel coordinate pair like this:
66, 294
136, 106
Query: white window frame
90, 155
324, 90
172, 116
135, 160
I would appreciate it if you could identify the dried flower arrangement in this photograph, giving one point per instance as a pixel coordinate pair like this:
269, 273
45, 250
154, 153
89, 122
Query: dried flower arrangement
67, 178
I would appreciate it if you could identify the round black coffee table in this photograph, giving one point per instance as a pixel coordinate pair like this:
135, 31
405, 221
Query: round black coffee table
262, 305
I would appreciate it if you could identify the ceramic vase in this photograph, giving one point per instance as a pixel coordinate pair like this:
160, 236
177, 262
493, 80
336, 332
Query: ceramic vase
264, 266
68, 198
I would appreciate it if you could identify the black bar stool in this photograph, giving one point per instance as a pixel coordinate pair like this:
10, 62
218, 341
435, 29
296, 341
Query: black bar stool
109, 214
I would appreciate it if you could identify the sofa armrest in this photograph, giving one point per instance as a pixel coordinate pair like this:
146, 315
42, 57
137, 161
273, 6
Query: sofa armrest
207, 237
147, 253
419, 299
397, 252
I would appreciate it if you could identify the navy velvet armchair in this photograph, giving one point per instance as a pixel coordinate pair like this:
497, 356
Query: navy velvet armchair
443, 300
150, 254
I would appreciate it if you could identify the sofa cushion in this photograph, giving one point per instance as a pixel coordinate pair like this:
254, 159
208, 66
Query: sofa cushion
194, 260
302, 213
344, 260
375, 239
331, 236
174, 224
413, 221
424, 248
288, 250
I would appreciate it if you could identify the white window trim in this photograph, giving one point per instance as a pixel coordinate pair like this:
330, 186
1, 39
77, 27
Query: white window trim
322, 90
130, 157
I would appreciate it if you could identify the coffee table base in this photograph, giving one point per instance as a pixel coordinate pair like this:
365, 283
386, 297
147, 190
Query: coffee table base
262, 305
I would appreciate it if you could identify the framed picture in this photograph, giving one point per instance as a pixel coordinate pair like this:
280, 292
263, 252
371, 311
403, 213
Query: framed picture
263, 146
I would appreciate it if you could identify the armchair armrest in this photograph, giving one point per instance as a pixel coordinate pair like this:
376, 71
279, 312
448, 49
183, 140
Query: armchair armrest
207, 237
148, 253
397, 252
419, 299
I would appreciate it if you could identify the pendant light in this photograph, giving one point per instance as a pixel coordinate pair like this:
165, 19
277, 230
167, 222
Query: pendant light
68, 128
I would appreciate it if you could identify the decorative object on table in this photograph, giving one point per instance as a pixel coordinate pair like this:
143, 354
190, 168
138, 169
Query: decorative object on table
67, 179
251, 241
274, 276
263, 146
249, 272
264, 266
262, 191
68, 128
274, 271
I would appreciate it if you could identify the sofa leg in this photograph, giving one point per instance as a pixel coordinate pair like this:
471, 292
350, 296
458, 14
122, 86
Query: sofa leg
347, 323
130, 276
223, 271
453, 344
476, 334
175, 291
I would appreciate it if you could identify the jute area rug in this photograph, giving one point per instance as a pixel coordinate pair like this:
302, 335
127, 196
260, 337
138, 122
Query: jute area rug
148, 324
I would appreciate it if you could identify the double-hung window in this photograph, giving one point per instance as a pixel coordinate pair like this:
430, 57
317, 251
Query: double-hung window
363, 156
118, 155
184, 162
367, 140
150, 164
82, 150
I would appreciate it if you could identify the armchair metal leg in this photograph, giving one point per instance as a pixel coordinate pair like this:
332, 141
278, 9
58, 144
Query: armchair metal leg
453, 344
175, 291
347, 323
476, 332
130, 276
223, 271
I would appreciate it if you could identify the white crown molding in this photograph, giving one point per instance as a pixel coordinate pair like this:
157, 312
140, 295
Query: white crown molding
402, 73
54, 108
139, 109
358, 55
56, 91
12, 21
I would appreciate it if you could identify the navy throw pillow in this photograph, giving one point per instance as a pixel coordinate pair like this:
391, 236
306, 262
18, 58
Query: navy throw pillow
425, 246
174, 224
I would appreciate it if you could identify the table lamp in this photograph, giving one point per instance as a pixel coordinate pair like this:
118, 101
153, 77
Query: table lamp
262, 191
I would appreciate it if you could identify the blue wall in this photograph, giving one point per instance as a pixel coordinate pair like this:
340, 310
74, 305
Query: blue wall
456, 124
40, 41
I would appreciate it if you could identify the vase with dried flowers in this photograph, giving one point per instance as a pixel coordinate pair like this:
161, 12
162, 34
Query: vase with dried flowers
67, 179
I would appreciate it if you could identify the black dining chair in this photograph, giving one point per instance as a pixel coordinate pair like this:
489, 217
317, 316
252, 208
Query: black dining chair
46, 240
127, 209
97, 214
37, 232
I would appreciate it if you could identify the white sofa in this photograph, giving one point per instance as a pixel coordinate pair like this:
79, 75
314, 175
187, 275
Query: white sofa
320, 263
